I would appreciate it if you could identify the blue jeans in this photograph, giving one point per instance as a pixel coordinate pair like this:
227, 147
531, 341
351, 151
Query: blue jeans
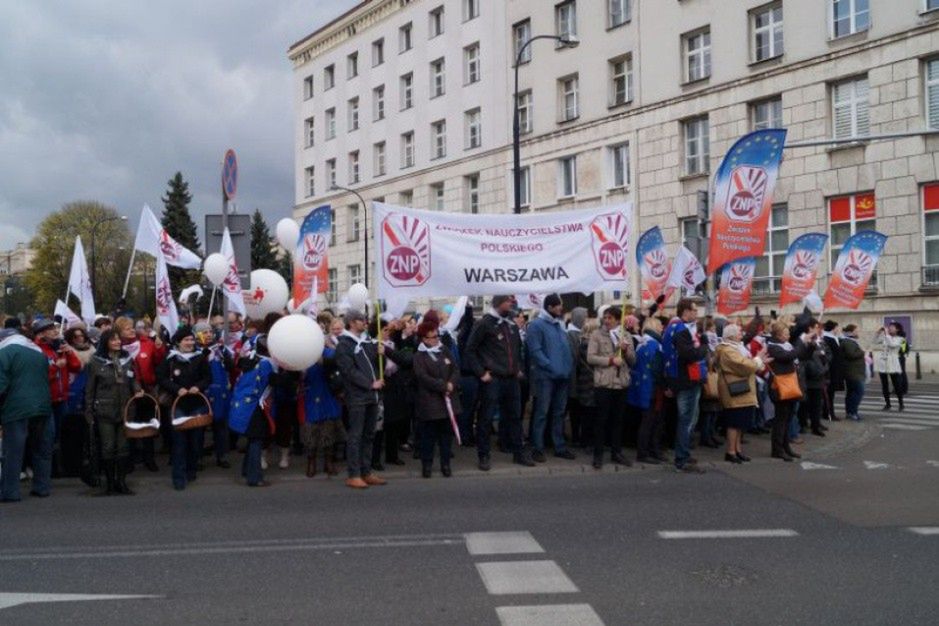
41, 432
688, 402
854, 393
185, 455
469, 396
251, 465
550, 398
794, 427
499, 395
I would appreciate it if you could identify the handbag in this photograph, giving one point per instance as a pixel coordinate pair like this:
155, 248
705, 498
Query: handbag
711, 390
738, 388
786, 386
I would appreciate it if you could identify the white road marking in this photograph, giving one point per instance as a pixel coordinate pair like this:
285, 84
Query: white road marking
808, 465
904, 427
925, 530
14, 599
521, 577
549, 615
912, 419
520, 542
756, 533
933, 463
875, 465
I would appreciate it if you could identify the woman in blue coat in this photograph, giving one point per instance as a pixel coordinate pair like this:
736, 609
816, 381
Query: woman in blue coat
320, 416
645, 391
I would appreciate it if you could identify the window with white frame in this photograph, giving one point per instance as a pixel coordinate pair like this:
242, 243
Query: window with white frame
353, 115
473, 129
332, 226
405, 41
471, 193
524, 180
932, 92
621, 80
847, 216
850, 105
567, 177
524, 112
438, 139
565, 20
471, 66
352, 211
330, 123
436, 197
308, 87
470, 10
354, 167
332, 286
378, 103
766, 24
436, 22
378, 52
931, 5
767, 277
378, 151
355, 274
697, 145
352, 65
406, 198
567, 96
310, 186
766, 113
330, 174
309, 136
407, 149
848, 17
521, 33
931, 234
329, 77
618, 12
697, 48
407, 91
619, 165
438, 83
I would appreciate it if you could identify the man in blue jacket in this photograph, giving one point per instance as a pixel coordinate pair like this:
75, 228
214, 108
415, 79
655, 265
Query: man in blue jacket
551, 366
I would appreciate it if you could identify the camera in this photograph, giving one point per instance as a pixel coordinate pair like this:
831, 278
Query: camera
57, 344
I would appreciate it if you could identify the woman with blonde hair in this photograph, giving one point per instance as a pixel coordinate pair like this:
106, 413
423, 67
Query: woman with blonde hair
736, 385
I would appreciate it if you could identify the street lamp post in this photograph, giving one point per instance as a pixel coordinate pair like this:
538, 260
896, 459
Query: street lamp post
94, 232
571, 42
364, 222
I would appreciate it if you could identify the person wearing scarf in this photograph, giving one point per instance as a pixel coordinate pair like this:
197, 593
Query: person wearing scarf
832, 338
218, 393
75, 431
253, 411
784, 359
145, 354
320, 416
184, 372
646, 392
438, 377
733, 366
397, 397
111, 384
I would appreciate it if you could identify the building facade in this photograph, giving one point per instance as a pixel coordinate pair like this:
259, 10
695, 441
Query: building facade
642, 110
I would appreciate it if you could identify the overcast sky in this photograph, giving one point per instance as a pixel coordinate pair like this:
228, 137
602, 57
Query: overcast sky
106, 100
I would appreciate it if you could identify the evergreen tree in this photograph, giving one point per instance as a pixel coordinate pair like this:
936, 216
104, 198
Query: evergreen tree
262, 244
285, 268
179, 225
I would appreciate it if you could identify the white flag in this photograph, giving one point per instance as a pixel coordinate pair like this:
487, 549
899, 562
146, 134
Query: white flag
153, 238
231, 286
68, 316
165, 305
314, 309
687, 271
79, 283
530, 301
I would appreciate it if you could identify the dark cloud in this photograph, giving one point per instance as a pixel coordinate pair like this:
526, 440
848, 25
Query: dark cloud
107, 100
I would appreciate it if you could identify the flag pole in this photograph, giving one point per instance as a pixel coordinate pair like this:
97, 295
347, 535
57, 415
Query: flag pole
381, 358
622, 324
212, 300
130, 269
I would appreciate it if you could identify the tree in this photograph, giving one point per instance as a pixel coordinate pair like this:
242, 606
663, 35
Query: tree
262, 244
54, 243
179, 225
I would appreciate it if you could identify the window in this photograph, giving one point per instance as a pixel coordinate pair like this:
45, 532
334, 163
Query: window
329, 77
931, 234
567, 177
308, 87
436, 22
619, 165
378, 151
331, 174
471, 64
767, 25
470, 10
521, 33
355, 274
378, 52
438, 139
310, 186
406, 198
352, 65
697, 55
378, 103
436, 197
353, 221
524, 180
847, 216
697, 146
524, 112
308, 135
353, 121
849, 17
932, 92
407, 90
471, 188
407, 149
405, 42
332, 226
618, 11
438, 85
330, 123
473, 129
850, 104
931, 5
565, 20
767, 277
332, 289
767, 113
354, 167
621, 80
567, 92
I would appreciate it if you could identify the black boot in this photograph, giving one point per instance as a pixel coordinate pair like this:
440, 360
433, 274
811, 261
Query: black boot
120, 480
445, 470
108, 469
426, 470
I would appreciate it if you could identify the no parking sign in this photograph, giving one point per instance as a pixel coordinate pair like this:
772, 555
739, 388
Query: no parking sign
230, 175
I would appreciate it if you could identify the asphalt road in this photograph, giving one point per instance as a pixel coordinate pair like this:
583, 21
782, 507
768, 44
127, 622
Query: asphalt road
825, 541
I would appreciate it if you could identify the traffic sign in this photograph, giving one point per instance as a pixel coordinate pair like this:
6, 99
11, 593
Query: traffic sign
230, 175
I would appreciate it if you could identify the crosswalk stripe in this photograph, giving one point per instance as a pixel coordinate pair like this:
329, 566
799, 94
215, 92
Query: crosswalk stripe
925, 530
912, 419
904, 415
755, 533
525, 577
549, 615
906, 400
502, 543
905, 427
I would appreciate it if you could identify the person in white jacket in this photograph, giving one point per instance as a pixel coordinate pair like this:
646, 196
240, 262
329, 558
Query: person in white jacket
886, 349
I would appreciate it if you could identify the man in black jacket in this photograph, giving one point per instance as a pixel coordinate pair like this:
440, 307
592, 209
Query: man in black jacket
691, 349
836, 383
493, 353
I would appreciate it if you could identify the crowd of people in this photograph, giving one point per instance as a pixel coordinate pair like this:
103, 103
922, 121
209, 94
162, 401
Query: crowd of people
96, 401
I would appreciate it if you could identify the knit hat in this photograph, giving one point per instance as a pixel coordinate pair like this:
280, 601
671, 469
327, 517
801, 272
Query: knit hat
41, 324
552, 299
202, 327
579, 316
182, 333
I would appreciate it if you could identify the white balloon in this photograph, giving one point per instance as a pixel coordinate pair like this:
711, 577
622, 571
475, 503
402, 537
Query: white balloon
215, 268
269, 293
295, 342
358, 296
288, 232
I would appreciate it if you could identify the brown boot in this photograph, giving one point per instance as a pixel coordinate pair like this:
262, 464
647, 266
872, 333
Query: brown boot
311, 465
374, 480
356, 483
329, 462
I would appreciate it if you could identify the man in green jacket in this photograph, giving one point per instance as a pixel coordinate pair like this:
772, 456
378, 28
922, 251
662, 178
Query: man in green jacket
855, 375
25, 409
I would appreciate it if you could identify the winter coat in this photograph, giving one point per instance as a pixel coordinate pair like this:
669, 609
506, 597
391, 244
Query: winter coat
317, 404
816, 367
252, 407
886, 349
147, 360
75, 405
84, 354
836, 364
176, 373
432, 372
494, 346
549, 349
855, 367
600, 350
784, 359
111, 384
24, 380
648, 373
358, 366
398, 394
463, 332
219, 391
733, 366
58, 376
690, 356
